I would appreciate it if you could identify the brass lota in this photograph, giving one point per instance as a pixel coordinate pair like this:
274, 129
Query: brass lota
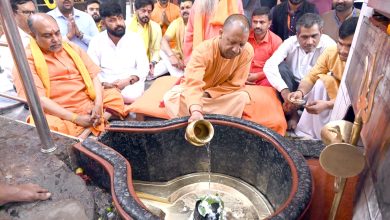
199, 132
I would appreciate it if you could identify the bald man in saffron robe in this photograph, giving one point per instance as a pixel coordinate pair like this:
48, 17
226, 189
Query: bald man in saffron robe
66, 79
215, 76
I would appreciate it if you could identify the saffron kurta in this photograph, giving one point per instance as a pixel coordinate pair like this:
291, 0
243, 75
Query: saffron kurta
172, 12
329, 68
67, 88
208, 71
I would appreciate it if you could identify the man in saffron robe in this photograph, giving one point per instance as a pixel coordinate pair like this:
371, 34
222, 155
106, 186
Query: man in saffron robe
66, 79
205, 21
164, 13
215, 76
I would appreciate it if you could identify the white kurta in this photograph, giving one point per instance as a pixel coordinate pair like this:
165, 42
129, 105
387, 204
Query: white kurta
164, 66
121, 61
7, 64
299, 62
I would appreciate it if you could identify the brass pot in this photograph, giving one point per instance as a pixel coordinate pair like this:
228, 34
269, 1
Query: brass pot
199, 132
338, 131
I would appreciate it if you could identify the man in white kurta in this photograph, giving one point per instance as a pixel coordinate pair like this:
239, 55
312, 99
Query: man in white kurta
294, 58
120, 55
75, 25
321, 84
6, 66
22, 11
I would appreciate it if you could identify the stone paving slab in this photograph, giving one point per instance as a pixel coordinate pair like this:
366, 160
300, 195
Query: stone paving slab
21, 162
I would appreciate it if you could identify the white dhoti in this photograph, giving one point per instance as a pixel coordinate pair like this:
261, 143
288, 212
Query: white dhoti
165, 66
310, 125
131, 92
231, 104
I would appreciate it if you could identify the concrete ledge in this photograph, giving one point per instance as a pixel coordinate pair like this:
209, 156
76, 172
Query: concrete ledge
22, 162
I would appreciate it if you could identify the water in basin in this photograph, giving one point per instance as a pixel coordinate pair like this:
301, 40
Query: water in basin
177, 198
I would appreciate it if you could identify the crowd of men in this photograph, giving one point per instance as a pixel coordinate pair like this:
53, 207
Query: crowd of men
90, 66
271, 66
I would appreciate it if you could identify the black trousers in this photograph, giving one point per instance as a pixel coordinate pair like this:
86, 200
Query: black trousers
288, 77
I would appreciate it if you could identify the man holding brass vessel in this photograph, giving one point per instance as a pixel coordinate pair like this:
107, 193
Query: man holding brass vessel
215, 75
321, 84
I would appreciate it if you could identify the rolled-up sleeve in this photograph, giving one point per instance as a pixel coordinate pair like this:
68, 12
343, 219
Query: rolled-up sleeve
271, 67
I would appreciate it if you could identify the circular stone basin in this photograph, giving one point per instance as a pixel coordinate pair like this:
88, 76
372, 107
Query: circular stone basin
155, 153
177, 198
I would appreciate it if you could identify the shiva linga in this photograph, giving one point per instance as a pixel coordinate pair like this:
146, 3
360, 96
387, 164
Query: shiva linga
199, 132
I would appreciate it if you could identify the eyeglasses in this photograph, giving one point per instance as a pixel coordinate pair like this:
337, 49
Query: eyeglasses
26, 12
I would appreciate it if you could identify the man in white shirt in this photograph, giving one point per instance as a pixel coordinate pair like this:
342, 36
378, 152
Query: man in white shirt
294, 58
320, 86
121, 56
22, 9
77, 26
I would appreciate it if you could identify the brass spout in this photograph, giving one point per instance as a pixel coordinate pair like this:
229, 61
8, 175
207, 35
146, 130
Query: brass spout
199, 132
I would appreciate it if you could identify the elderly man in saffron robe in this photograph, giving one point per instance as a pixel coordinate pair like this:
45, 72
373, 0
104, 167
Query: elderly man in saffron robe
66, 79
215, 76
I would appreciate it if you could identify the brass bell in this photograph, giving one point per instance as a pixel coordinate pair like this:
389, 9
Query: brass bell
199, 132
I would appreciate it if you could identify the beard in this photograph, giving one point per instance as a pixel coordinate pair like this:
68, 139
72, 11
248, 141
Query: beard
144, 19
208, 6
295, 2
340, 7
96, 18
117, 32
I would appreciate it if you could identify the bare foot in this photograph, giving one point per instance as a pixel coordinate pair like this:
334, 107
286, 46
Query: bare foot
22, 193
293, 121
107, 116
85, 134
